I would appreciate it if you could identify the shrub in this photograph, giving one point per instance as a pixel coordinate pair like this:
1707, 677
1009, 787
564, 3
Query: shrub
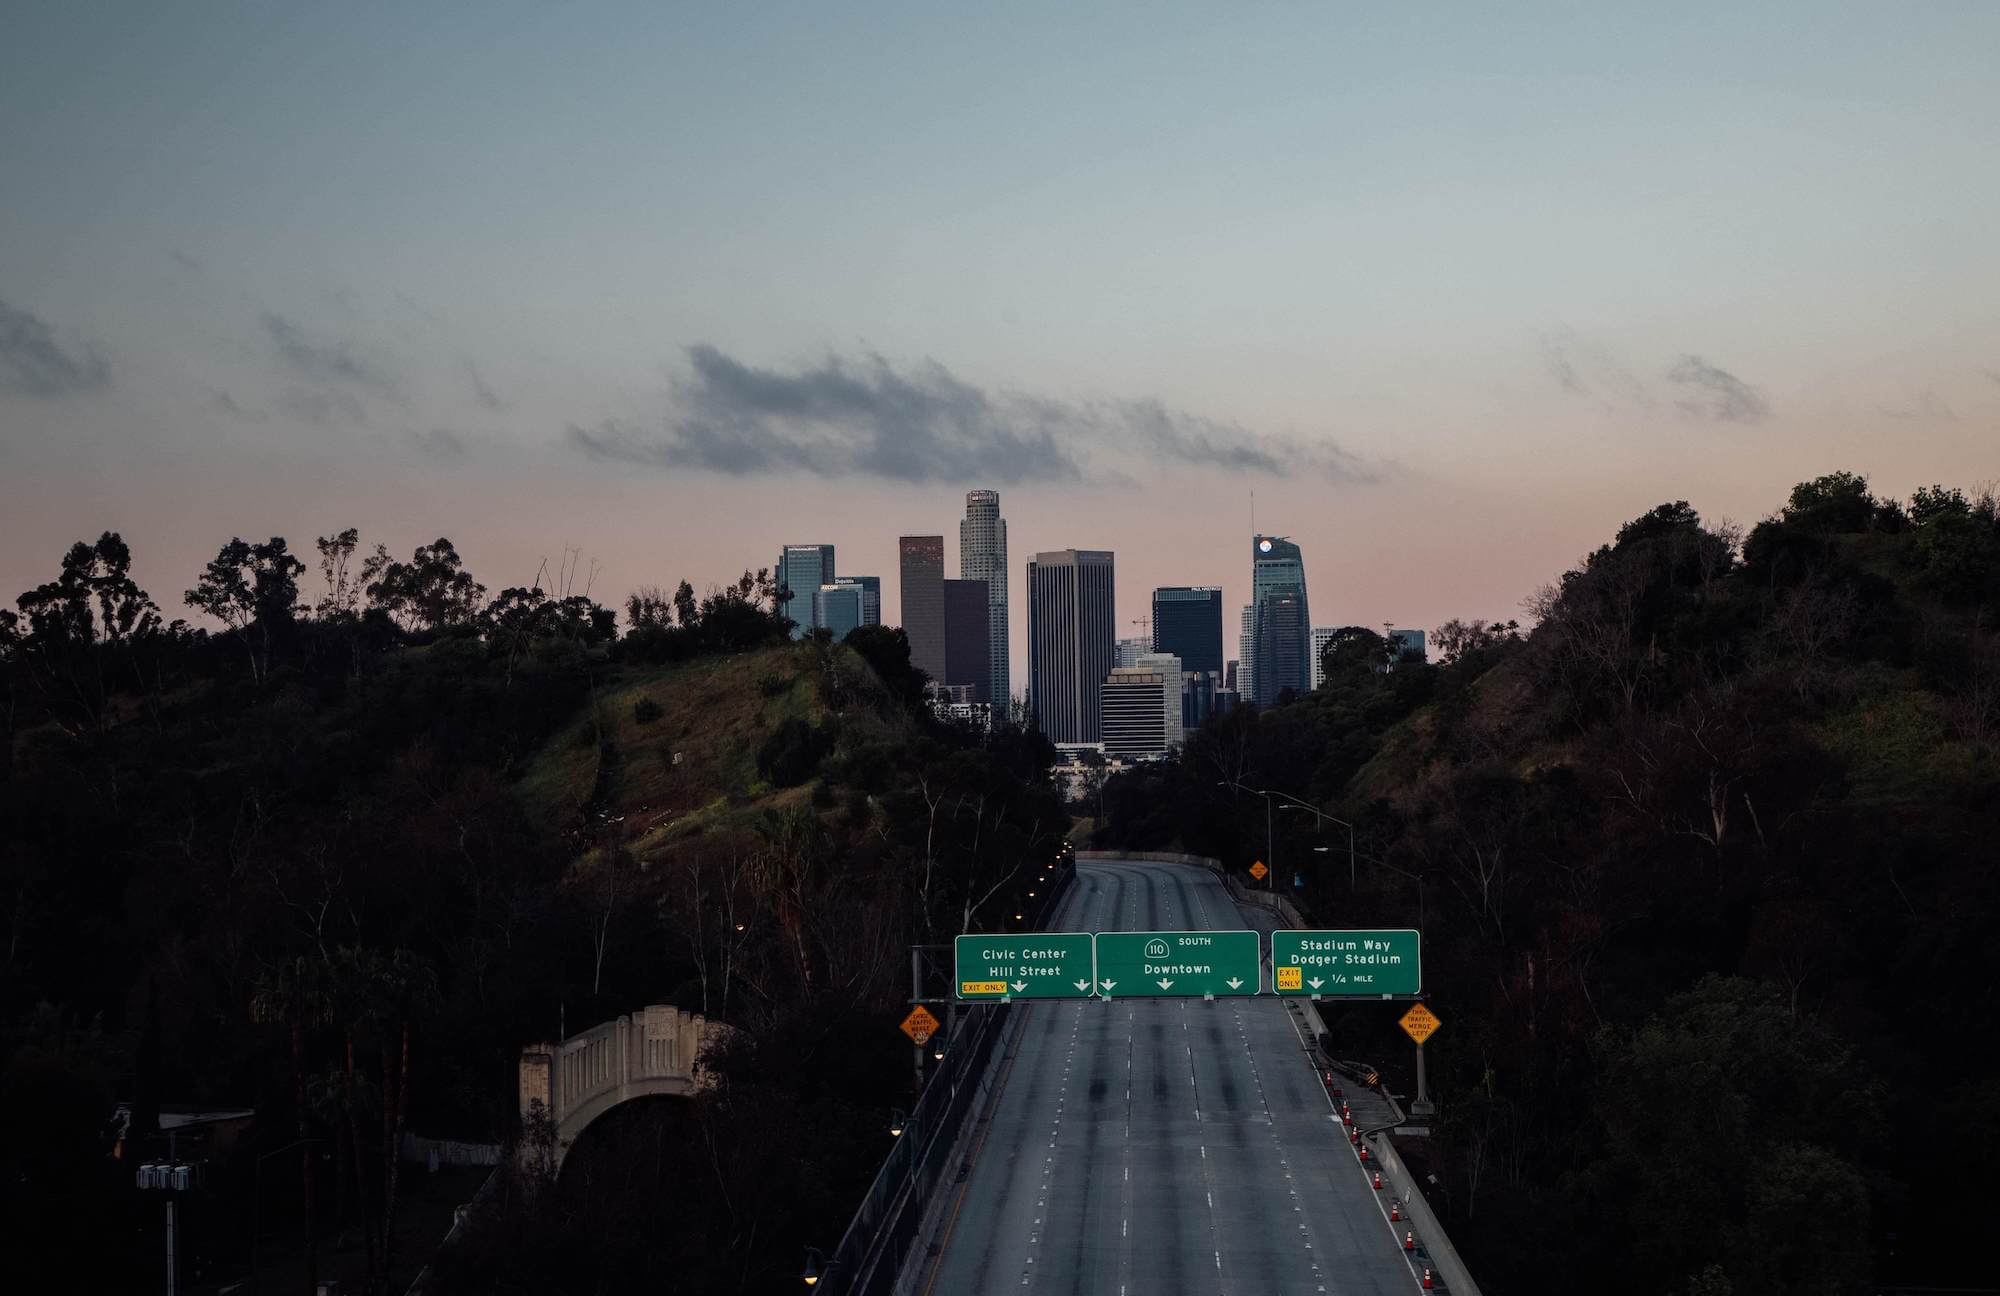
792, 753
645, 711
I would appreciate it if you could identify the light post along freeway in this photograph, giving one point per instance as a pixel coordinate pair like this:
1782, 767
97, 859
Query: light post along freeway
1141, 1139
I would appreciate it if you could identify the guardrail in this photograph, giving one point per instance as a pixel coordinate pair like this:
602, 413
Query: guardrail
888, 1224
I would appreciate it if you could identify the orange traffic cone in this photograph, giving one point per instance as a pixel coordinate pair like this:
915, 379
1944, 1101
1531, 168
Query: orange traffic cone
1364, 1151
1354, 1136
1428, 1284
1338, 1093
1395, 1211
1378, 1181
1409, 1240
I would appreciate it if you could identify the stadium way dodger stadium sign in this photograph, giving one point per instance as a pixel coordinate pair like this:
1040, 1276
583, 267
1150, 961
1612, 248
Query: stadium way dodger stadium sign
1027, 965
1347, 964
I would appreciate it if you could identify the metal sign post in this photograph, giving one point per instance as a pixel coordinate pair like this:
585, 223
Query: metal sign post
1420, 1023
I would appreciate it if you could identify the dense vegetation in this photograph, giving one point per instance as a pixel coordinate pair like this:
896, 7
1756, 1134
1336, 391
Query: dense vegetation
1706, 864
339, 859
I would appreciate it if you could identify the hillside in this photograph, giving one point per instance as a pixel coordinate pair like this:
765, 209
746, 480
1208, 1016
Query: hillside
340, 864
1705, 865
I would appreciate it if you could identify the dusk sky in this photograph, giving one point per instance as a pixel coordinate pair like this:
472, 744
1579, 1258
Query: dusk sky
1454, 289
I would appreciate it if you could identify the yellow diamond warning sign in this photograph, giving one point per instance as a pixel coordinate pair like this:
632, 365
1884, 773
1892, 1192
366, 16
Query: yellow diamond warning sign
1420, 1023
1258, 871
920, 1025
1291, 978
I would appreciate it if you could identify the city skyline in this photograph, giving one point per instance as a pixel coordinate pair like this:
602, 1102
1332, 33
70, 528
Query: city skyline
236, 307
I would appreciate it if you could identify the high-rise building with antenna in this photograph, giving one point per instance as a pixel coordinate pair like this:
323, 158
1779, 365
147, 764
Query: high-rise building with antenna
1281, 624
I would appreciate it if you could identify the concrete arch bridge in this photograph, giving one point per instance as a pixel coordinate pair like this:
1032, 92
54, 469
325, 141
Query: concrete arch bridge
564, 1087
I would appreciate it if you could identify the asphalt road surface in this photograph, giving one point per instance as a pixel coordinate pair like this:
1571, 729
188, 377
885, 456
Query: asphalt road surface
1153, 1147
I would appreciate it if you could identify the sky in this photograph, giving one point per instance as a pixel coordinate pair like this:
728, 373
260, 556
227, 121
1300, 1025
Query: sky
1444, 292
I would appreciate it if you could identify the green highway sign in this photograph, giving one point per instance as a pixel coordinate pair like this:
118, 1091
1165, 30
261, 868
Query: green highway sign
1028, 965
1133, 965
1347, 964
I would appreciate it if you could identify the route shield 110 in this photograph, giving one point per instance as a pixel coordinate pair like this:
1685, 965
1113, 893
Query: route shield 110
1347, 964
1134, 965
1029, 965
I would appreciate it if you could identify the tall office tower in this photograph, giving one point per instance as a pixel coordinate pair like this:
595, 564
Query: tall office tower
871, 596
1246, 654
837, 608
923, 601
1071, 641
982, 555
1187, 622
1281, 621
1130, 650
1409, 646
1142, 708
1284, 642
968, 642
1320, 636
802, 569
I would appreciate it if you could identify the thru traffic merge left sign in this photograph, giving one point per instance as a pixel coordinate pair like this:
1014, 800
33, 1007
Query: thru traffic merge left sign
1029, 965
920, 1025
1420, 1023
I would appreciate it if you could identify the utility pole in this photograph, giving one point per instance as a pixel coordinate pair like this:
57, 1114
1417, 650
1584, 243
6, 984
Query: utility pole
172, 1178
173, 1261
917, 992
1270, 844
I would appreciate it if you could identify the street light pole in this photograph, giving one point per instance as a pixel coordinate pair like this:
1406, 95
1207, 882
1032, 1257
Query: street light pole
1270, 844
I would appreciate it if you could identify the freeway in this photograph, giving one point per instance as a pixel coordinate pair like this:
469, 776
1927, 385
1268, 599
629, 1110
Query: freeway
1161, 1146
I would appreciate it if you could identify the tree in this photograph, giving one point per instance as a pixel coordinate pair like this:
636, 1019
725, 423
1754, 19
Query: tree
1456, 639
649, 608
1838, 502
250, 587
1353, 652
94, 602
1930, 502
432, 591
1781, 1104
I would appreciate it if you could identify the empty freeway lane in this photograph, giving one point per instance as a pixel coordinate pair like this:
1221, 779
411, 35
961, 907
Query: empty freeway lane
1160, 1146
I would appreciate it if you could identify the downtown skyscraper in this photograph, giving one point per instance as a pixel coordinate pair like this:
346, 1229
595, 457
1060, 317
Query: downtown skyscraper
982, 555
1072, 641
922, 561
802, 569
1280, 622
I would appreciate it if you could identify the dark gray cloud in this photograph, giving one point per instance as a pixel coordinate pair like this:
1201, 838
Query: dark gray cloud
439, 441
1563, 369
187, 262
327, 362
921, 423
487, 398
34, 363
222, 402
1717, 395
1926, 407
1583, 368
326, 406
